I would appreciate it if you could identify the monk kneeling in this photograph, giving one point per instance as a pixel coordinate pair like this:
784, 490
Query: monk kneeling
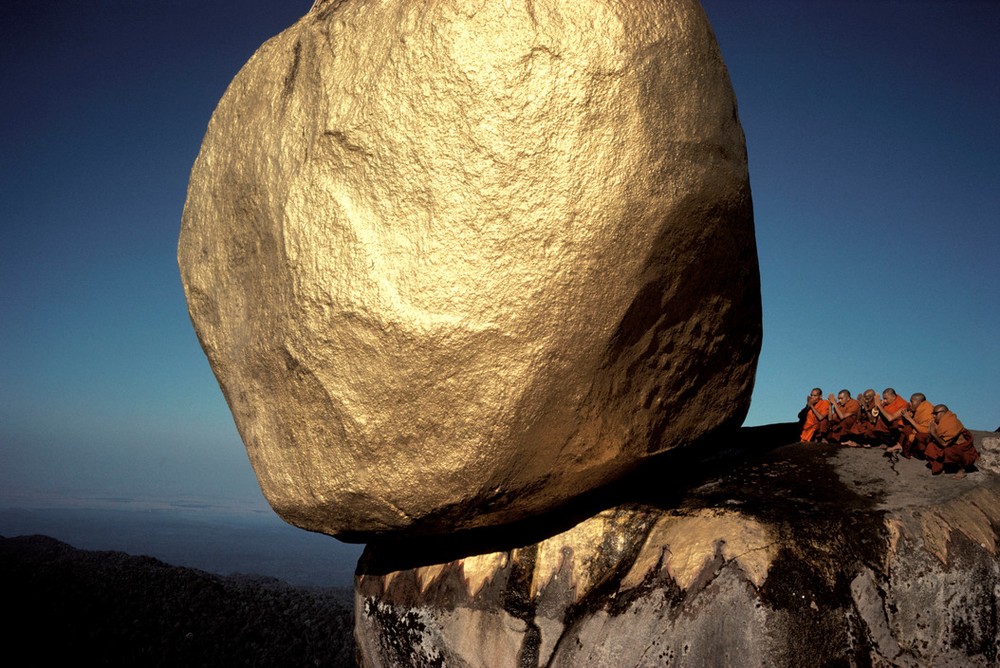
917, 430
950, 444
815, 417
843, 416
888, 429
863, 431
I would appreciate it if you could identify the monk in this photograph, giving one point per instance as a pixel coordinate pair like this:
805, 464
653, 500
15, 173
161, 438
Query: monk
950, 444
917, 428
863, 431
843, 415
889, 426
817, 412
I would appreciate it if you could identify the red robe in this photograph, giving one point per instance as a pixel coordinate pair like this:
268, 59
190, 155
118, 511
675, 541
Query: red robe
841, 428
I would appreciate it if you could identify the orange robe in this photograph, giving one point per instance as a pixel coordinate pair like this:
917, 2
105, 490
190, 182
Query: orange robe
885, 431
894, 406
842, 426
812, 423
917, 438
958, 449
923, 416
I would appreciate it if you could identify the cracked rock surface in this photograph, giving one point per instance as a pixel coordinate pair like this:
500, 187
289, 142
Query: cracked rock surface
795, 555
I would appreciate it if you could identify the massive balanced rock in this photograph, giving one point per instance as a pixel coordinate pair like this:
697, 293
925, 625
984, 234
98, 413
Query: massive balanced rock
799, 556
454, 262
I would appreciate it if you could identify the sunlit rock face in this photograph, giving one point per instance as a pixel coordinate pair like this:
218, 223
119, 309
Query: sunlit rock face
455, 262
804, 556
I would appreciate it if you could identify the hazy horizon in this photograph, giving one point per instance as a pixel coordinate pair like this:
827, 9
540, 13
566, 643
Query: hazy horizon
224, 538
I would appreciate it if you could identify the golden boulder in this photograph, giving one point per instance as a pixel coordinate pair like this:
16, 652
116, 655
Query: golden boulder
455, 263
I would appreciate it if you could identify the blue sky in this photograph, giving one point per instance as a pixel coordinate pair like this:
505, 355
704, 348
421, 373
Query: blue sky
875, 165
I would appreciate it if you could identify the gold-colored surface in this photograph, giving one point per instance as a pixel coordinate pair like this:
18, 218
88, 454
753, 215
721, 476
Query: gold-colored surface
476, 571
688, 545
974, 514
455, 262
895, 530
574, 554
585, 556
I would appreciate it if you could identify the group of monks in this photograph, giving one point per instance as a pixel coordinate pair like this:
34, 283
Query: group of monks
914, 429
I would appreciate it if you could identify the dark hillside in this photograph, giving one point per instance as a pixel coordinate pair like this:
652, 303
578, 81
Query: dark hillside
69, 607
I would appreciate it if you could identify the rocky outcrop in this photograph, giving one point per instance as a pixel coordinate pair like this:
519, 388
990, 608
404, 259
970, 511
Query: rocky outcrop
988, 444
454, 263
802, 555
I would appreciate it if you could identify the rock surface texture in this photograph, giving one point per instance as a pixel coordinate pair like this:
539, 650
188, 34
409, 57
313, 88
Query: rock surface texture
803, 555
455, 262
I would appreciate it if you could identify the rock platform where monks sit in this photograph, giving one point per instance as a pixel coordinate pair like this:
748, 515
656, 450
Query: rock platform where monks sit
771, 554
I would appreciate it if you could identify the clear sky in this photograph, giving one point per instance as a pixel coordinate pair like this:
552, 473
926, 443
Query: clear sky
874, 159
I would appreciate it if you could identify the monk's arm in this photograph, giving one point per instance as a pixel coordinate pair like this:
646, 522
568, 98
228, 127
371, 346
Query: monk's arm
889, 417
934, 434
835, 408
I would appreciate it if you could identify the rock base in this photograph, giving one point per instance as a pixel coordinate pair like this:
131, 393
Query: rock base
798, 555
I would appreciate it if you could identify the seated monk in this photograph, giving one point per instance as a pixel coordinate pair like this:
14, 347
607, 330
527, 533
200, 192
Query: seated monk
888, 428
917, 428
950, 444
863, 431
816, 416
843, 416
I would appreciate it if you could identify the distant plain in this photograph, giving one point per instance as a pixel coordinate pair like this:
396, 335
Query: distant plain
191, 533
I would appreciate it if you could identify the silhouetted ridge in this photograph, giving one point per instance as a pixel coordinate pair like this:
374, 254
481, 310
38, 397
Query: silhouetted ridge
72, 607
